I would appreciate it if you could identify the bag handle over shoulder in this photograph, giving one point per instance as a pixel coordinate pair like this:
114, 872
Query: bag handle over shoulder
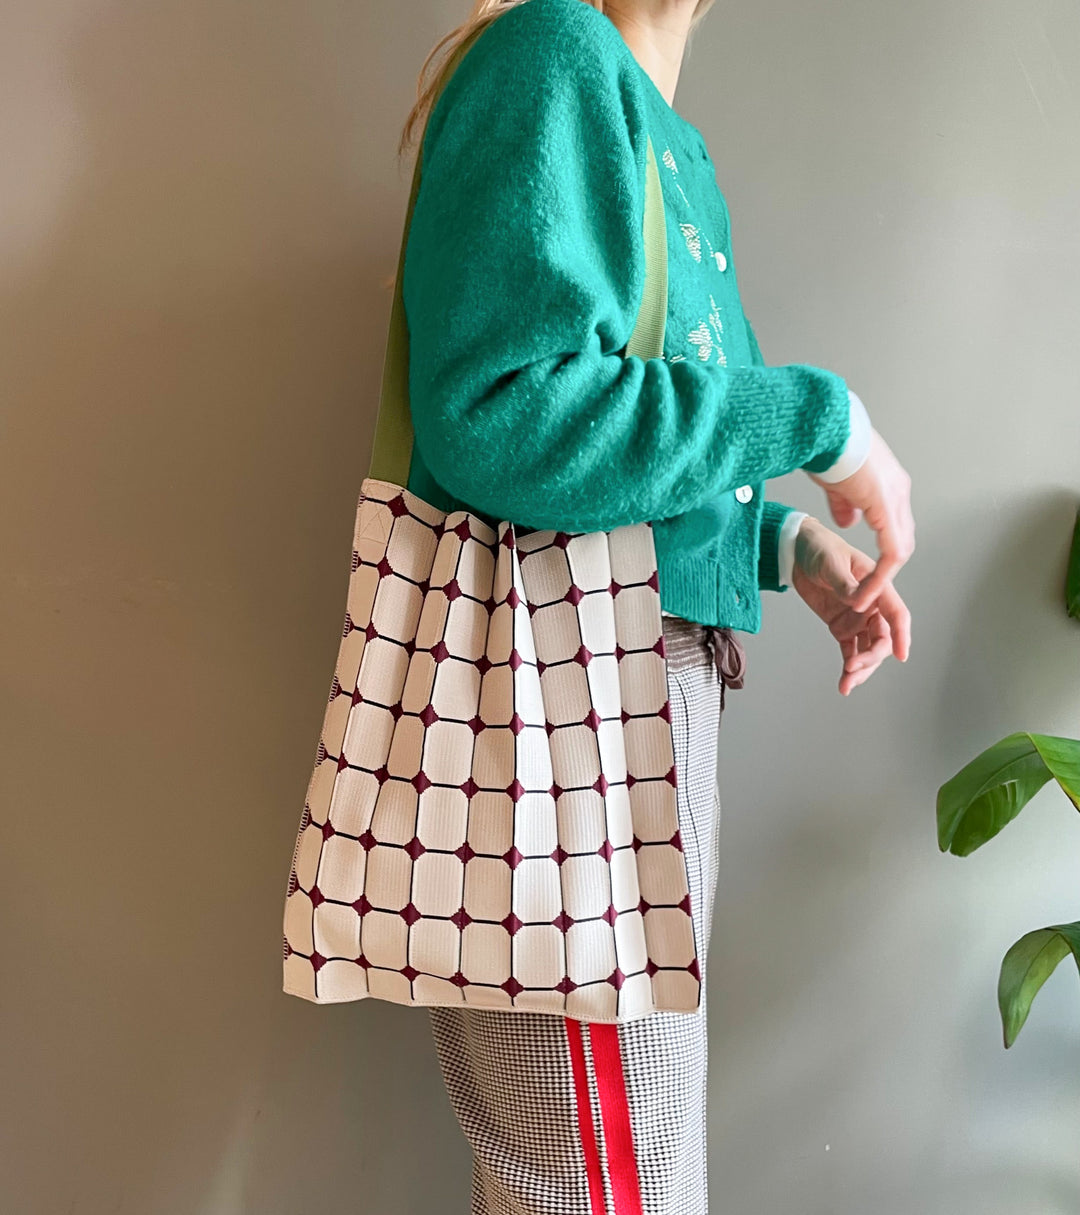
392, 449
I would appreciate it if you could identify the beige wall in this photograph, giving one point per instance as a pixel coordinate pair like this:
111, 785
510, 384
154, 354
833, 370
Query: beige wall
198, 205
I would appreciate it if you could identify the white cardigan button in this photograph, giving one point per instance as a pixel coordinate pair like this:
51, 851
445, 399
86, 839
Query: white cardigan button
721, 261
744, 493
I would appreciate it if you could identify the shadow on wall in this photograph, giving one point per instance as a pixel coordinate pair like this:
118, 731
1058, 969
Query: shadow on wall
194, 329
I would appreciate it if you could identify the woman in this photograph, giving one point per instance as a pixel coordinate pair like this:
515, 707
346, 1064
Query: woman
522, 280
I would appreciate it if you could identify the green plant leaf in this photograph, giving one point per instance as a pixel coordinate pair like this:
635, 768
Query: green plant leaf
990, 791
1072, 580
1026, 967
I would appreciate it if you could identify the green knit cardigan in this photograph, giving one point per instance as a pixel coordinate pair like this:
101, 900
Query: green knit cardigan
523, 273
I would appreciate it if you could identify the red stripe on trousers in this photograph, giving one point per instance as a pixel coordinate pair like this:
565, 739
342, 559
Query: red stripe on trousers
575, 1040
615, 1115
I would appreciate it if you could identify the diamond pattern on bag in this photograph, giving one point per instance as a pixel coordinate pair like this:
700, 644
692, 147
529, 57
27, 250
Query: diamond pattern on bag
492, 816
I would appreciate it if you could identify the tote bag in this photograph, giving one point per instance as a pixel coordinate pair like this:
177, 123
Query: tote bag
492, 821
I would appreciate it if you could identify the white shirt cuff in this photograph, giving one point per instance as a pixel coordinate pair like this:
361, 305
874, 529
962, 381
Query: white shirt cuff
785, 558
857, 448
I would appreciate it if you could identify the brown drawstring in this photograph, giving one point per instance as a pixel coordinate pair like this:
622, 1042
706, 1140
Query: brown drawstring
729, 656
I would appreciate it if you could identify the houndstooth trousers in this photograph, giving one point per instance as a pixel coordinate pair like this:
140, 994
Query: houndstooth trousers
568, 1118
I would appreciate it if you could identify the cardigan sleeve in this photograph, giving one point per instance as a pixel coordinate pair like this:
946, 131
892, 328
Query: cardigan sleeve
778, 527
523, 274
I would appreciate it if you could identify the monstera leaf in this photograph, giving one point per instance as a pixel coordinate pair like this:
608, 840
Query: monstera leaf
990, 791
1026, 967
1072, 581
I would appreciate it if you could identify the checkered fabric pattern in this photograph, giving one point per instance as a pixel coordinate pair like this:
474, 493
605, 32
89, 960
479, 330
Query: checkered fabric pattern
492, 819
511, 1081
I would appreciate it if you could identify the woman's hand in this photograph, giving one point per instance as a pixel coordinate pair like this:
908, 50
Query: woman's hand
880, 491
827, 574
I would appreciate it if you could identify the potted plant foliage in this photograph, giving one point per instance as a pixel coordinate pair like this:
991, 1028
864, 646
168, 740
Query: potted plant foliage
986, 795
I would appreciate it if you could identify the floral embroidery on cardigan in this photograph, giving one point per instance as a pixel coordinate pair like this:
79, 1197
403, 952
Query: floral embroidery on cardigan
693, 240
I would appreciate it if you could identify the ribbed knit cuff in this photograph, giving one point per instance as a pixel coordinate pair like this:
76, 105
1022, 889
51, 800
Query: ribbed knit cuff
855, 450
773, 516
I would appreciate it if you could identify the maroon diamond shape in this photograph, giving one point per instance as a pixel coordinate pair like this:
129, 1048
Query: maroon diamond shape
592, 720
620, 653
541, 667
584, 656
458, 979
476, 725
515, 660
367, 841
356, 697
512, 923
317, 960
465, 853
461, 918
517, 724
549, 726
653, 580
423, 586
428, 715
516, 790
512, 987
462, 530
643, 906
563, 922
601, 784
409, 913
397, 506
362, 905
560, 854
684, 904
396, 710
370, 631
555, 791
533, 609
671, 777
610, 914
490, 605
382, 775
694, 969
512, 597
613, 587
409, 646
631, 780
616, 978
470, 788
415, 848
651, 968
566, 985
421, 781
385, 568
439, 651
483, 664
513, 857
561, 540
410, 972
327, 830
342, 762
665, 711
658, 646
451, 590
574, 595
676, 841
362, 961
636, 844
606, 850
507, 538
316, 896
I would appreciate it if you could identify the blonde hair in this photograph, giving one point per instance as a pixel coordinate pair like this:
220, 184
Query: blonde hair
434, 68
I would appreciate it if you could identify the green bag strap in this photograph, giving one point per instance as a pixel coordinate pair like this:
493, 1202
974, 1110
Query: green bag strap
391, 452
